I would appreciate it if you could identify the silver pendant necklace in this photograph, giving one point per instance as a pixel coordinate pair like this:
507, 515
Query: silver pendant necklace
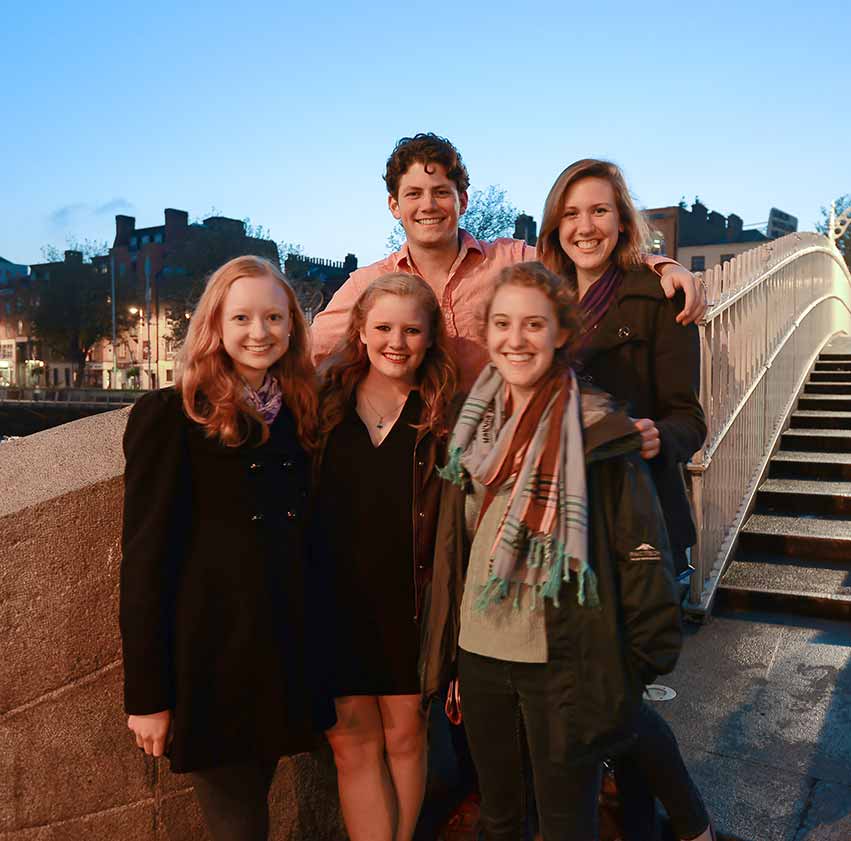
380, 424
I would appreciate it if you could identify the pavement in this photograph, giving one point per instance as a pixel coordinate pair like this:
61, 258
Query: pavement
763, 717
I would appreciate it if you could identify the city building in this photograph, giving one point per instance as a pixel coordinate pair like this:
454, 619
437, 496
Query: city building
315, 280
154, 269
12, 275
699, 238
526, 228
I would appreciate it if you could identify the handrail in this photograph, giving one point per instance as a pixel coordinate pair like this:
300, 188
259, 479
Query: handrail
774, 309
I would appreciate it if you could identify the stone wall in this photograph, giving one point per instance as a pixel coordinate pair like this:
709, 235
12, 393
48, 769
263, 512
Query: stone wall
69, 768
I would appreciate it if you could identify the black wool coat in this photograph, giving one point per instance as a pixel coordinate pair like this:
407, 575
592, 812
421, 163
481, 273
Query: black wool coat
642, 357
213, 604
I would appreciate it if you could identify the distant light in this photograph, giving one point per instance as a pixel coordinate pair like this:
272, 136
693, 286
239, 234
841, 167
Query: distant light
133, 310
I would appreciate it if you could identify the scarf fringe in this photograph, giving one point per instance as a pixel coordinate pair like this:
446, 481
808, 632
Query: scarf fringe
547, 552
453, 472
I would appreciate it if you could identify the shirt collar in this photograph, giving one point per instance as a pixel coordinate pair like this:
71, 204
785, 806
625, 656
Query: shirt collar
401, 258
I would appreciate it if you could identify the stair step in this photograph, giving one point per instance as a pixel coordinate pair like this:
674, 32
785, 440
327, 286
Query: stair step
828, 355
792, 464
822, 538
833, 402
832, 366
830, 376
805, 496
786, 585
815, 419
842, 387
832, 440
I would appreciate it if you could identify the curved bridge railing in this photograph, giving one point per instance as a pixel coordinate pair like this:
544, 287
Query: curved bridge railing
773, 310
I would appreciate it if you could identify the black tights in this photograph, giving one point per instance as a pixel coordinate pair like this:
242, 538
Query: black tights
234, 800
654, 767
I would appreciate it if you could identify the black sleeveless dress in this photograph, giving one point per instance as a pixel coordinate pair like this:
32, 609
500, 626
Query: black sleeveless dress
365, 531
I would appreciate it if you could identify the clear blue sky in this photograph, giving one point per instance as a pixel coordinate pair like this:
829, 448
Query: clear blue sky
286, 115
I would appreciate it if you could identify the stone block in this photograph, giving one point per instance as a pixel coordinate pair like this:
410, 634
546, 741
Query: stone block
180, 818
136, 822
70, 755
59, 565
828, 817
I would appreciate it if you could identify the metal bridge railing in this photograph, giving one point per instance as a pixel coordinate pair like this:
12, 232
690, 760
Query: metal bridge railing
773, 310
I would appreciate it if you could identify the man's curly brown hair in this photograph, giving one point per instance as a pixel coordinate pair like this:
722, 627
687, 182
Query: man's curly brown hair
425, 148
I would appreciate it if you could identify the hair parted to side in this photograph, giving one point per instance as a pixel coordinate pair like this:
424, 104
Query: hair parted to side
426, 149
535, 275
437, 376
631, 242
211, 388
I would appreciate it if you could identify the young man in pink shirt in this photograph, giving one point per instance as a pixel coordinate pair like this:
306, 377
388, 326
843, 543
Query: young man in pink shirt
427, 192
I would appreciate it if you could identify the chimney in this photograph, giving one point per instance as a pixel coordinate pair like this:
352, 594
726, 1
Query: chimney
124, 227
526, 228
734, 228
75, 257
698, 212
350, 263
717, 227
176, 223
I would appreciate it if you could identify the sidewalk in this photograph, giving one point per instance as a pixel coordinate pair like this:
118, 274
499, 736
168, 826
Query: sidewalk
763, 716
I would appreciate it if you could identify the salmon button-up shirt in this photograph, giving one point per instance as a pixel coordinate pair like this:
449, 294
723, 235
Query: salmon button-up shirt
462, 297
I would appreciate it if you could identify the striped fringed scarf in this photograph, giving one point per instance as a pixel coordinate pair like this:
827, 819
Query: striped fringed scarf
543, 535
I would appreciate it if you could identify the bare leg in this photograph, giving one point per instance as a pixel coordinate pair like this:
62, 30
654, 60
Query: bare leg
366, 790
405, 745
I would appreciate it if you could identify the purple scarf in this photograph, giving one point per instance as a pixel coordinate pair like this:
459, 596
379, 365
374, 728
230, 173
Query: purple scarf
596, 304
266, 400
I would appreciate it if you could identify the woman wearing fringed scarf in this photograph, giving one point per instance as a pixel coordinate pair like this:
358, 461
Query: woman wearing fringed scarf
382, 418
566, 607
214, 609
633, 345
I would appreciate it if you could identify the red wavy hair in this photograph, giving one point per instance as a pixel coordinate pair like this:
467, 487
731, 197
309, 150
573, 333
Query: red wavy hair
211, 388
348, 364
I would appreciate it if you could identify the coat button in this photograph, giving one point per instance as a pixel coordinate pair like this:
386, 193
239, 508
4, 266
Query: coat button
422, 514
420, 566
624, 332
256, 518
420, 463
287, 465
291, 515
255, 465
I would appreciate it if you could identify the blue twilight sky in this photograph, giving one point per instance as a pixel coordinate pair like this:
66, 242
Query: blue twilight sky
285, 113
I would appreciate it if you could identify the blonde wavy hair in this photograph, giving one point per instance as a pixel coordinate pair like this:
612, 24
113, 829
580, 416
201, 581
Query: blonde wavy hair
437, 376
212, 390
628, 253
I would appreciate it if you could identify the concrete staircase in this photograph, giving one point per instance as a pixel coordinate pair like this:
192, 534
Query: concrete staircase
794, 552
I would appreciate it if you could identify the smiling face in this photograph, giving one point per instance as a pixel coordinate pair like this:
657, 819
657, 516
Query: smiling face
396, 335
590, 226
523, 335
255, 326
428, 205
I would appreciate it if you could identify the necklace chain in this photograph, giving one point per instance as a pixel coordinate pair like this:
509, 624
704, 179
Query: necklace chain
380, 424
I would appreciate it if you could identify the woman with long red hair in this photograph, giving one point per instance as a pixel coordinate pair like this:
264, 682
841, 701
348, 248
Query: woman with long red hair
382, 418
213, 606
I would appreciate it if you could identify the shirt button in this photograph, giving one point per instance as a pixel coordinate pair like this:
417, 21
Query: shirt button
256, 518
291, 515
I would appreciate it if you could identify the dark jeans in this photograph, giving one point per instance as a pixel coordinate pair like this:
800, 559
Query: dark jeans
497, 699
234, 800
654, 767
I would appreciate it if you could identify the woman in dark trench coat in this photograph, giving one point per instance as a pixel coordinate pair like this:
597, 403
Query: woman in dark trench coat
214, 607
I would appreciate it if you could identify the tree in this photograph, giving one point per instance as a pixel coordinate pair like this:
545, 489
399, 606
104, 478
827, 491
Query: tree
72, 309
489, 215
844, 242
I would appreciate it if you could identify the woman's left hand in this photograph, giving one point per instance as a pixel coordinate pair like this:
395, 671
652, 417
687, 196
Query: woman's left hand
651, 443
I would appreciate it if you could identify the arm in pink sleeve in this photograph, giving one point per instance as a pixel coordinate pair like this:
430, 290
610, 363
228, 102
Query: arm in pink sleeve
655, 262
329, 326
